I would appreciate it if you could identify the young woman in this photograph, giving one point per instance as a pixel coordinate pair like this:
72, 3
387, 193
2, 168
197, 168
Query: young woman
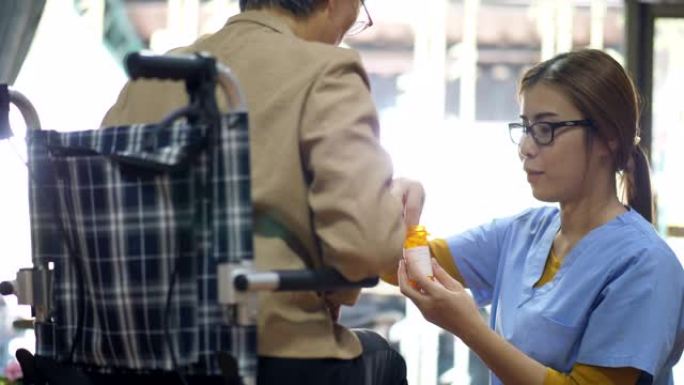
586, 293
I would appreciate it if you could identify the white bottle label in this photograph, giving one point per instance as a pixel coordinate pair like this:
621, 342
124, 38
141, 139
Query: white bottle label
419, 257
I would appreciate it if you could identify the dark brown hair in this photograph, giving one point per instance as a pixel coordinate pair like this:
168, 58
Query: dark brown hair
602, 91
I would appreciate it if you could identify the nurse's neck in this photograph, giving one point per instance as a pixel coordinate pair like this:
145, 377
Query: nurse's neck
579, 218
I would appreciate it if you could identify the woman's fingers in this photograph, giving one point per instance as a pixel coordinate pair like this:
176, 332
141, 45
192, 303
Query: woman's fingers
442, 301
427, 284
404, 285
444, 278
441, 280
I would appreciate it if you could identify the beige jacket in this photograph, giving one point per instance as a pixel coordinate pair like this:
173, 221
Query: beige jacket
320, 180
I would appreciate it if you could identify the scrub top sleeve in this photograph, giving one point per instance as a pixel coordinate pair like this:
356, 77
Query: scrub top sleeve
637, 321
476, 254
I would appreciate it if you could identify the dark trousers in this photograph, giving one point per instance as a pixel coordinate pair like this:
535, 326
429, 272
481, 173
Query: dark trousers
379, 364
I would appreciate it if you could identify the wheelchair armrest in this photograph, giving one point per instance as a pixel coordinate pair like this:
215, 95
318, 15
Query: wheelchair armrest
327, 279
238, 284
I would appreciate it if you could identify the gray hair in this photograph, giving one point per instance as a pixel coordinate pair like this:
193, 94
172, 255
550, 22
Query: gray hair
297, 7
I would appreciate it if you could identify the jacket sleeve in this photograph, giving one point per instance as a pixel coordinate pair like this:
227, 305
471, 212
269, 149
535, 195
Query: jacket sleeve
356, 219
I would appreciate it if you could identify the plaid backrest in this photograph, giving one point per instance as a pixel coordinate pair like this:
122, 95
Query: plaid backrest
120, 212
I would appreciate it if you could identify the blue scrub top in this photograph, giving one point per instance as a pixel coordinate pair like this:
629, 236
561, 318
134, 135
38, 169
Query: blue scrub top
615, 302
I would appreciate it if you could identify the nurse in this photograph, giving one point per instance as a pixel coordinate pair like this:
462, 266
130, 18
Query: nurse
586, 293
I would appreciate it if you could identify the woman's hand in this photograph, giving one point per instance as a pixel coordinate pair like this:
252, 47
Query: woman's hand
443, 302
412, 196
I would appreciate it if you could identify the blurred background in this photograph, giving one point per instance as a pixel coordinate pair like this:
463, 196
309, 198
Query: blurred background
443, 76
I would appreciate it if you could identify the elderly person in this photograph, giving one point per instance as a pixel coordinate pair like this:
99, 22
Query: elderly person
321, 183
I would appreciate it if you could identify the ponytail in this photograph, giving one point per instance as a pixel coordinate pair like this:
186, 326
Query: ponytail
636, 181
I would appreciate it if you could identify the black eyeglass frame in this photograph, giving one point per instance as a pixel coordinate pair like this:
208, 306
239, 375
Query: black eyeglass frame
554, 126
360, 25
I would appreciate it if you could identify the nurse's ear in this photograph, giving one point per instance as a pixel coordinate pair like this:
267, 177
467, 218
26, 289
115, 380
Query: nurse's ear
605, 149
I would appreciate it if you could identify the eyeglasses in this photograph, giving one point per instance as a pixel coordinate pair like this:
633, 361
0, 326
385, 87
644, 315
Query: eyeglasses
360, 25
543, 132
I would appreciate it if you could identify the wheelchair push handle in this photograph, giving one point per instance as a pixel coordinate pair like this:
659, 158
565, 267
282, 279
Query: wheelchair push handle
23, 104
169, 67
193, 69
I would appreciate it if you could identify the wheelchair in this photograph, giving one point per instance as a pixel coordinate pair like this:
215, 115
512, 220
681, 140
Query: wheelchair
142, 242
